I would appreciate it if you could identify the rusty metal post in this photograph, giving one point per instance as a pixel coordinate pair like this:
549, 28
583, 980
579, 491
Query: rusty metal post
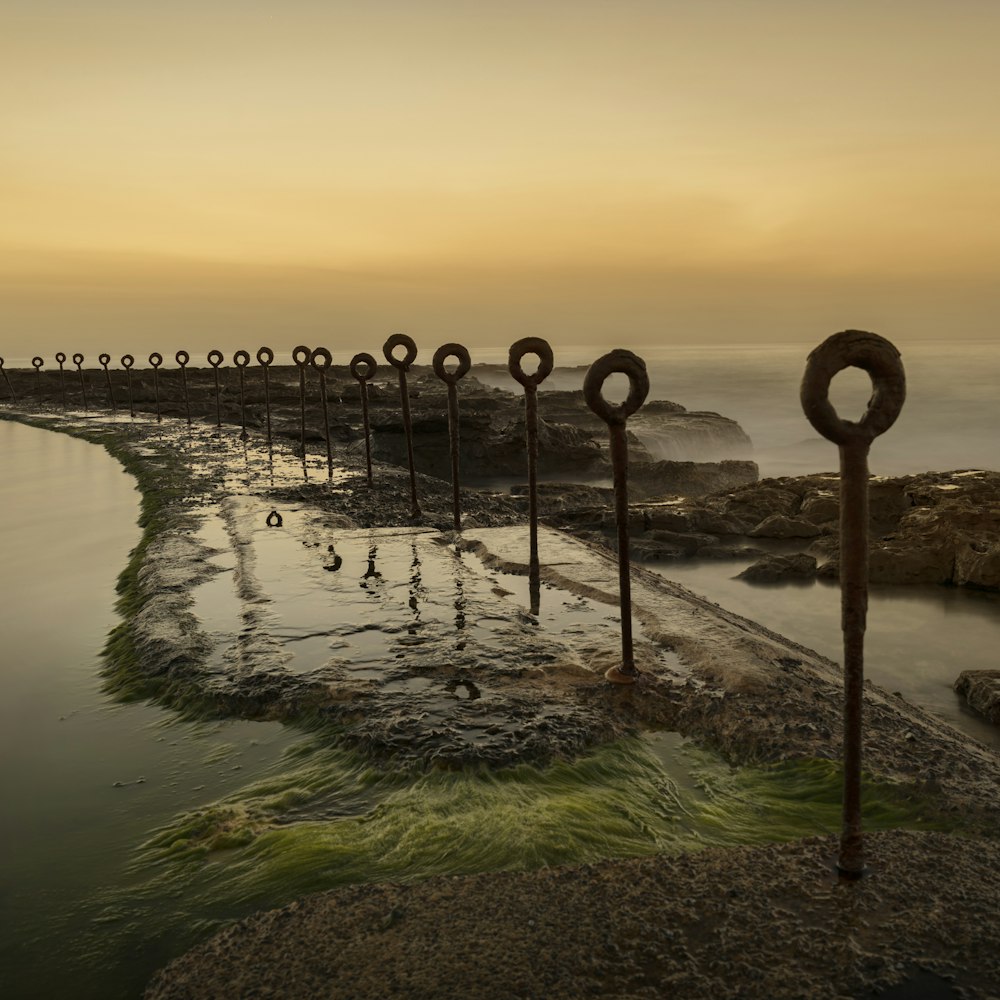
364, 375
265, 357
301, 357
105, 360
878, 357
10, 388
451, 379
541, 349
37, 363
241, 359
156, 359
321, 361
127, 362
215, 358
78, 361
628, 364
182, 358
61, 359
402, 365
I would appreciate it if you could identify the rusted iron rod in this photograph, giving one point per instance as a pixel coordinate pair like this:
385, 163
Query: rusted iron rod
127, 362
363, 368
241, 359
541, 349
37, 363
265, 357
301, 357
321, 361
402, 365
215, 358
105, 360
880, 359
10, 388
78, 361
182, 358
156, 359
634, 368
61, 359
451, 380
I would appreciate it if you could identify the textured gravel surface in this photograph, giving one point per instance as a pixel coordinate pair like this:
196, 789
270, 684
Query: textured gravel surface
768, 922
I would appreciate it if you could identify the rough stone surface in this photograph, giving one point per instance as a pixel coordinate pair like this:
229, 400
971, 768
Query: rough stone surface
981, 689
778, 568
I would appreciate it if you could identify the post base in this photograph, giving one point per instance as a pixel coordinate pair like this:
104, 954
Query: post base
618, 675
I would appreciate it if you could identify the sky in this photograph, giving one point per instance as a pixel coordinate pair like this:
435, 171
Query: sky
629, 173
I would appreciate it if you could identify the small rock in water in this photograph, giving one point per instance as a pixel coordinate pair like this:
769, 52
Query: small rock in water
776, 568
981, 689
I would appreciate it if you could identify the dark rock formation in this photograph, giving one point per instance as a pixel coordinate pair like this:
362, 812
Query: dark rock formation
779, 568
981, 689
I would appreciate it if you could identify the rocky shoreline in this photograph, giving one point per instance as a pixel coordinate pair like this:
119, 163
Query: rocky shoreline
727, 682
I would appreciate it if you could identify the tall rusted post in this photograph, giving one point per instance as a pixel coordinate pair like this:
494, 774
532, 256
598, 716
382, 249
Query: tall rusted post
265, 356
402, 365
451, 379
182, 358
105, 360
241, 359
37, 363
301, 357
363, 368
156, 359
127, 362
878, 357
321, 361
628, 364
541, 349
61, 359
215, 358
10, 388
78, 361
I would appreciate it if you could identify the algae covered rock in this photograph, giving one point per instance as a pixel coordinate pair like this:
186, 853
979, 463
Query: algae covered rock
981, 689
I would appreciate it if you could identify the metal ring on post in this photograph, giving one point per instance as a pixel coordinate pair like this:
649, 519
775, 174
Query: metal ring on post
61, 358
857, 349
363, 359
442, 354
265, 356
616, 362
155, 359
78, 360
241, 359
530, 345
400, 340
37, 362
215, 358
301, 356
182, 358
127, 361
105, 360
321, 354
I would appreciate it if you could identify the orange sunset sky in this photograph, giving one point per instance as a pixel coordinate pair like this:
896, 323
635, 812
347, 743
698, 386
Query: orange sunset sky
637, 173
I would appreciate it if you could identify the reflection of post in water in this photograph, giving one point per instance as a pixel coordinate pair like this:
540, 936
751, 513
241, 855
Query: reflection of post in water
450, 379
105, 360
363, 368
322, 359
61, 358
335, 561
37, 363
541, 349
878, 357
625, 363
215, 359
402, 365
10, 388
241, 359
415, 588
372, 577
156, 359
264, 357
182, 358
301, 357
127, 362
78, 361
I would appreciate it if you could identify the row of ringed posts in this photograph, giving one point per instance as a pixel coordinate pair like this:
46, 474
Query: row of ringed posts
851, 348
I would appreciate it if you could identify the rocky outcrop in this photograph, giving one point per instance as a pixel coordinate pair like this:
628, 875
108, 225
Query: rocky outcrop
690, 479
981, 690
779, 568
